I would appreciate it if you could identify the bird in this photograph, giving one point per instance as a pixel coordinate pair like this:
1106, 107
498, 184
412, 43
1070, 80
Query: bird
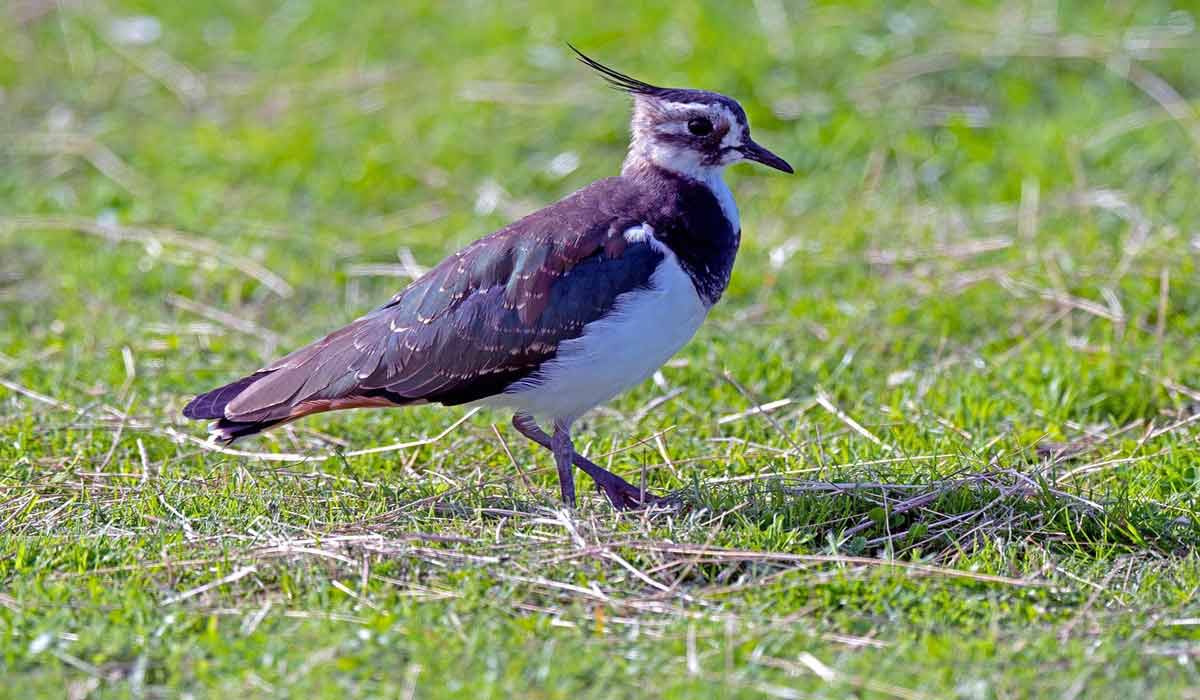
552, 315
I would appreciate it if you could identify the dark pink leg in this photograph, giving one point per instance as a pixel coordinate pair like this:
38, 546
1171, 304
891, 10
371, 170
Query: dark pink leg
621, 494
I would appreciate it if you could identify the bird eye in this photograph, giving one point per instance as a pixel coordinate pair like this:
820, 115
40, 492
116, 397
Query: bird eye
700, 126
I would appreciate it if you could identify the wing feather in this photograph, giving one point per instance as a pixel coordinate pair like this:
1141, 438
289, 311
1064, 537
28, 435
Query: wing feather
484, 318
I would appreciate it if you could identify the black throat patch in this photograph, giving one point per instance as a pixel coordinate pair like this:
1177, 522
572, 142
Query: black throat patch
688, 219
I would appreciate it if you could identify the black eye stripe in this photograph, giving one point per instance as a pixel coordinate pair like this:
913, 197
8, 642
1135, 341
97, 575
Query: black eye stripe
700, 126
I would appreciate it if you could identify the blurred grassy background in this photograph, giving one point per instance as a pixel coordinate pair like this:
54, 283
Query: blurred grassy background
972, 316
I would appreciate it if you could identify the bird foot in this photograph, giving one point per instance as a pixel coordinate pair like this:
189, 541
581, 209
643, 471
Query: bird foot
625, 496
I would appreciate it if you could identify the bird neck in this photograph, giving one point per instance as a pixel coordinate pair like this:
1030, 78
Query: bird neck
639, 166
696, 219
644, 155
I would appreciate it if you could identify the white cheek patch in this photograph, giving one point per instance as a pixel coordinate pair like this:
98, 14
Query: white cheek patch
681, 160
734, 137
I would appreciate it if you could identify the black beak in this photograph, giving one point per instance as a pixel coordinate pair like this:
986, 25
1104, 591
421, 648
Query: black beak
753, 151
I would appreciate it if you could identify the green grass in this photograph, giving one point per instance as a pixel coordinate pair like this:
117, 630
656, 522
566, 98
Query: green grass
979, 296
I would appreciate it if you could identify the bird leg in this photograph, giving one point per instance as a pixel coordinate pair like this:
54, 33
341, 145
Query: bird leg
620, 493
563, 450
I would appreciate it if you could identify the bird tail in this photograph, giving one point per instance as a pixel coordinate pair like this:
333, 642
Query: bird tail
237, 421
211, 406
326, 375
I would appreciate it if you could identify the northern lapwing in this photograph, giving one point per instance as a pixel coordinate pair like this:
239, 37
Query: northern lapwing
551, 315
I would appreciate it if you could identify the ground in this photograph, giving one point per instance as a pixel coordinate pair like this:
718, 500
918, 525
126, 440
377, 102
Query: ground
938, 441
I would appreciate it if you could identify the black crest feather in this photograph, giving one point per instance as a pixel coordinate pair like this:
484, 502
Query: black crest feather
618, 79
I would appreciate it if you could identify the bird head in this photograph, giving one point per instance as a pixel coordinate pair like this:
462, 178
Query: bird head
690, 132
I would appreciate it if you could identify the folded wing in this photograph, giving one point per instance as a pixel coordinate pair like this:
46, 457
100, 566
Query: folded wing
484, 318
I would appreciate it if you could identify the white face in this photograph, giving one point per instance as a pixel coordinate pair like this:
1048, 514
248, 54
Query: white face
692, 138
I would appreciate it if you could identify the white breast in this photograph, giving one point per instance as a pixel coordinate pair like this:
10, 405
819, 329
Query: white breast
642, 331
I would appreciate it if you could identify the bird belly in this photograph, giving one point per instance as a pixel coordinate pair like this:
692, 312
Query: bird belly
644, 329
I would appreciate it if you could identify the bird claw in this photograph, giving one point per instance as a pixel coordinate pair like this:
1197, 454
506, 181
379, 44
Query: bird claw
625, 496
